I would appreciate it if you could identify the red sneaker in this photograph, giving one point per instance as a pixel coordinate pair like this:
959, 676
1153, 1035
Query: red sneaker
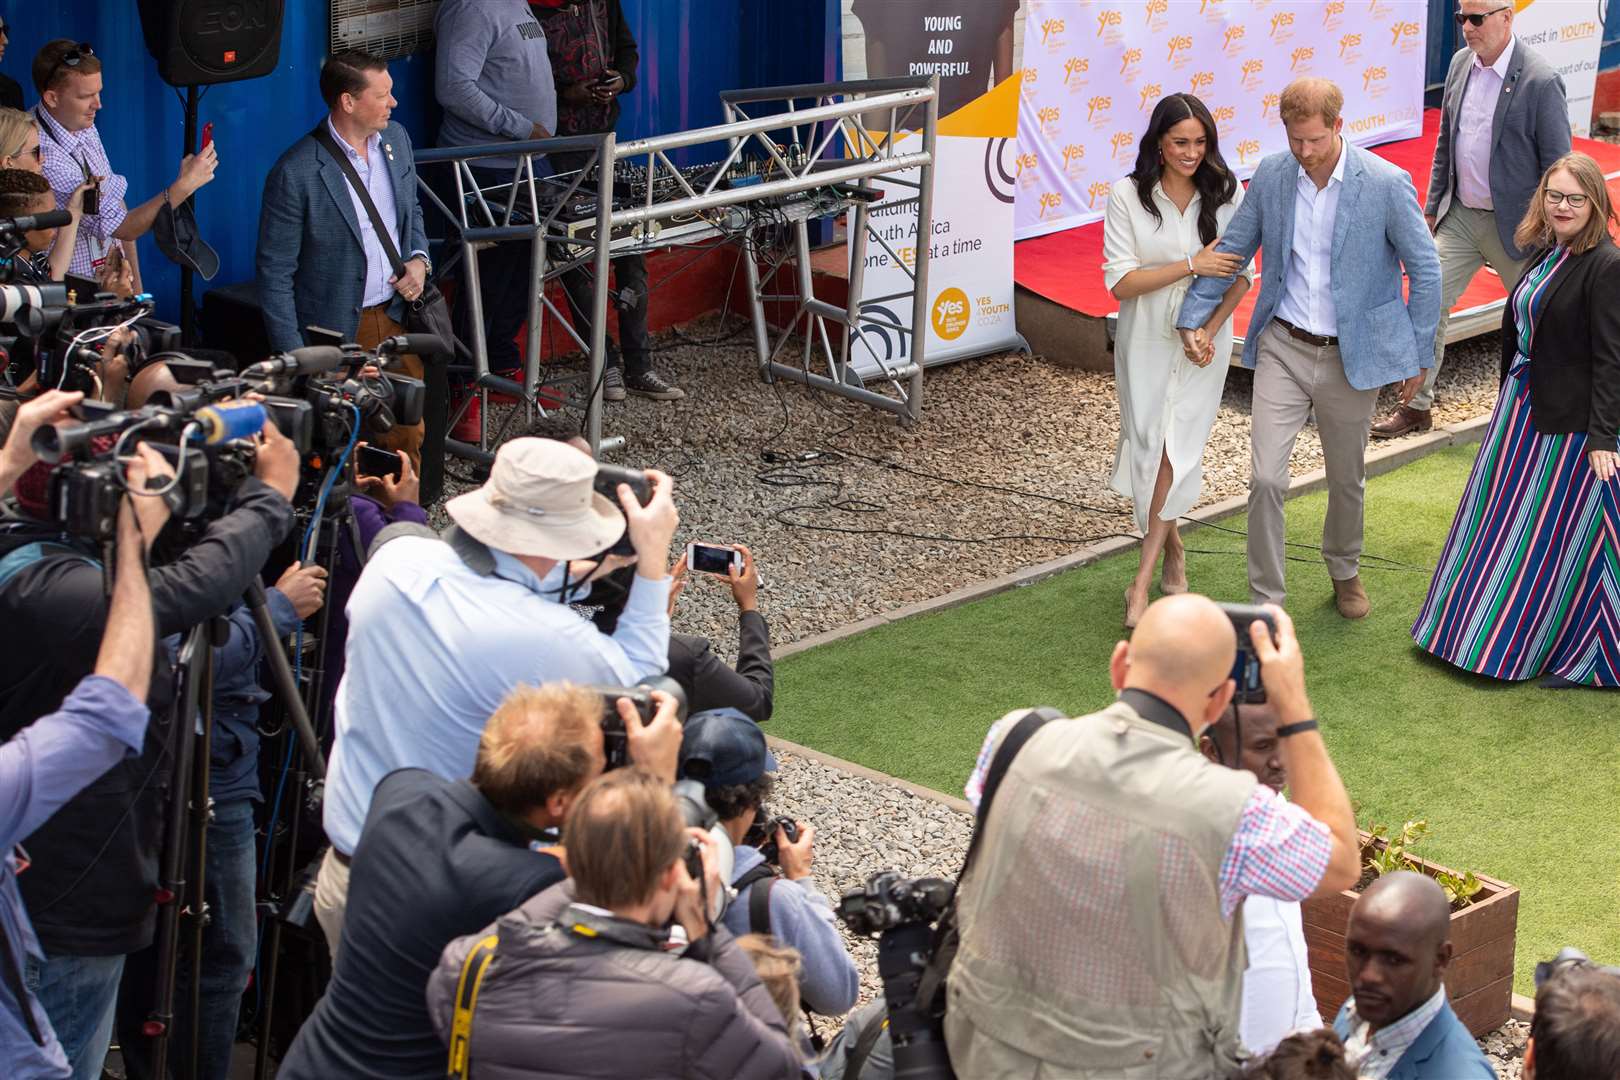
466, 429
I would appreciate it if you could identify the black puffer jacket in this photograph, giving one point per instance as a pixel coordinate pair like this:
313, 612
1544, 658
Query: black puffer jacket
555, 1005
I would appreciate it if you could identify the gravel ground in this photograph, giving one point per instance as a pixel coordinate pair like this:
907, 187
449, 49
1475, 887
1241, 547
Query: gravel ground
1013, 421
1006, 420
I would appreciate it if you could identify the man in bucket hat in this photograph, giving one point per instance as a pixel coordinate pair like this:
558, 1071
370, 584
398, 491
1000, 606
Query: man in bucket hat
440, 630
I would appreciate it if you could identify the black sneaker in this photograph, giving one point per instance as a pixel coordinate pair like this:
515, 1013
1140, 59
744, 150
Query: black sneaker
613, 383
649, 384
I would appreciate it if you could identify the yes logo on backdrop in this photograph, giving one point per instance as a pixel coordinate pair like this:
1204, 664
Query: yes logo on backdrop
1234, 55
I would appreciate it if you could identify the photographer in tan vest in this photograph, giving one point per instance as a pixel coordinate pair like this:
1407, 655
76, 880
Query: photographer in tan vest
1101, 926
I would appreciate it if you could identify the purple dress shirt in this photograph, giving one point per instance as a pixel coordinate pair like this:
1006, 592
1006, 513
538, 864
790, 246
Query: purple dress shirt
62, 153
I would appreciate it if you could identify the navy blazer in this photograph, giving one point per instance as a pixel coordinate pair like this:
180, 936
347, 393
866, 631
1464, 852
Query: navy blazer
1377, 229
1529, 131
1444, 1051
311, 262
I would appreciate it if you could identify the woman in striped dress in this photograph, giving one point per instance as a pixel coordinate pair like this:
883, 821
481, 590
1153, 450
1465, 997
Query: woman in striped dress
1529, 580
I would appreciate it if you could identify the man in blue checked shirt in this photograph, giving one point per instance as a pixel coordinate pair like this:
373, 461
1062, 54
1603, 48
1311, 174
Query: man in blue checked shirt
47, 763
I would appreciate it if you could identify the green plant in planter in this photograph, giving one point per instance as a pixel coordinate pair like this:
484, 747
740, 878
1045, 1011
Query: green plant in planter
1396, 854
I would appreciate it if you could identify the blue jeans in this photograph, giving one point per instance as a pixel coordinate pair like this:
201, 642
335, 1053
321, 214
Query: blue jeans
78, 993
229, 941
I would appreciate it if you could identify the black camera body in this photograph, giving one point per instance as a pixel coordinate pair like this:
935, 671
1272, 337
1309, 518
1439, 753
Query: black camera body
1246, 669
608, 479
615, 739
901, 912
762, 834
46, 330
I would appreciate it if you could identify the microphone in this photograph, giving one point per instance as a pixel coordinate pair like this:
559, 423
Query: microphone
230, 420
50, 219
414, 344
309, 360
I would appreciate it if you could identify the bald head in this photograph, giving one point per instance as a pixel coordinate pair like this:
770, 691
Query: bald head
150, 380
1183, 645
1397, 945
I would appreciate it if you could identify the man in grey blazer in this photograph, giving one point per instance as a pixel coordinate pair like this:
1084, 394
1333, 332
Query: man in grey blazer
1503, 121
320, 261
1330, 327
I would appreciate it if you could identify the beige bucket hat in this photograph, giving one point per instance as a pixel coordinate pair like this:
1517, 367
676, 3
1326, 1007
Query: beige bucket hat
538, 501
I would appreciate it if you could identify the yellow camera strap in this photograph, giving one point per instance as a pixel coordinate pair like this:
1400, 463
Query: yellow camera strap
472, 977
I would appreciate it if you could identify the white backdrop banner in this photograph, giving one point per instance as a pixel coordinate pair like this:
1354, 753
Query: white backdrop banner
1093, 70
1568, 34
970, 46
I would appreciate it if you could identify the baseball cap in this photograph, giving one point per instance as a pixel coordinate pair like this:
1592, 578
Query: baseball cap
723, 747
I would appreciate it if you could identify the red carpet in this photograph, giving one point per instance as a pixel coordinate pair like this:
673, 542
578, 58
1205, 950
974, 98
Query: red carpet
1066, 267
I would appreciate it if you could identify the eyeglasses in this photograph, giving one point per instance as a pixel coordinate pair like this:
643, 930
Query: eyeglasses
70, 59
1576, 200
1478, 18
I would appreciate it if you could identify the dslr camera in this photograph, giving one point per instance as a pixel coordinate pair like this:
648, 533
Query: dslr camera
901, 912
762, 834
615, 739
1246, 669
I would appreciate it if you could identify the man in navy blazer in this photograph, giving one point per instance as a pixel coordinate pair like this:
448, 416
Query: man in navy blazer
320, 262
1503, 121
1330, 327
1397, 1023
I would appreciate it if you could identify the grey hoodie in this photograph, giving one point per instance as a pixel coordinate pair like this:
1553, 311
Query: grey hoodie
491, 74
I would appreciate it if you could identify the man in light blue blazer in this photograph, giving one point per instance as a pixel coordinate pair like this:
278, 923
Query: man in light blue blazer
1398, 1024
1330, 327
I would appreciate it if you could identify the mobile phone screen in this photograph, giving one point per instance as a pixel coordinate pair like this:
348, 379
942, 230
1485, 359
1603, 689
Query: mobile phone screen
711, 560
373, 462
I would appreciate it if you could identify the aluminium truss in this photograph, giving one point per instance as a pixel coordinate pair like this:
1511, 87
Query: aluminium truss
831, 170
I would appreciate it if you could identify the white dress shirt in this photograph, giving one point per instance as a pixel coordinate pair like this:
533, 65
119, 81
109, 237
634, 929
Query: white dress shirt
1307, 299
1475, 119
374, 173
434, 646
1277, 996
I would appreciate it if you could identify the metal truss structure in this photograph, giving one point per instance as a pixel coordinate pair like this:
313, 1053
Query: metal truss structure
825, 166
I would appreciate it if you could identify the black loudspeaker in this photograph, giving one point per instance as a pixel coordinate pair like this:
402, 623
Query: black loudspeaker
201, 42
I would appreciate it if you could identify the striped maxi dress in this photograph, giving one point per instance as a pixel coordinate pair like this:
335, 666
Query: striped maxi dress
1529, 580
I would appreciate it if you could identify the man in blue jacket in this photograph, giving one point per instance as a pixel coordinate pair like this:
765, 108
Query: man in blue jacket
1330, 329
1397, 1023
321, 261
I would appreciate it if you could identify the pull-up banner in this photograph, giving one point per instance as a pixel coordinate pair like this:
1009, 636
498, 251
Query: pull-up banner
1094, 69
969, 45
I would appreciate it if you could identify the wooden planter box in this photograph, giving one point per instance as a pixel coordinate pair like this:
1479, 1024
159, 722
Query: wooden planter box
1480, 979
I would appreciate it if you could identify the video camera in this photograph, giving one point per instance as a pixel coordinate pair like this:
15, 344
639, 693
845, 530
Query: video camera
341, 380
45, 330
901, 912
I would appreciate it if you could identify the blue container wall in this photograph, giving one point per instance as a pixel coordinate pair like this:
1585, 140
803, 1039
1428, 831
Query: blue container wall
690, 51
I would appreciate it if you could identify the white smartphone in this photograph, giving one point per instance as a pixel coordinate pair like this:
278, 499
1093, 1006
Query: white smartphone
715, 559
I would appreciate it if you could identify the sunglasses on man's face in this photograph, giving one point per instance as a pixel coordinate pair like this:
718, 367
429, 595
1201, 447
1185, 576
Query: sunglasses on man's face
1478, 18
70, 59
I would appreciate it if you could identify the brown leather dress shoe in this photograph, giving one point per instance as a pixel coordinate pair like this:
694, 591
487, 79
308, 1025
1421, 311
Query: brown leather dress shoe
1402, 420
1350, 598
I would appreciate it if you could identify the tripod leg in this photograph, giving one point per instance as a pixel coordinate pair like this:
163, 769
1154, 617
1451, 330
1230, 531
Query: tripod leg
286, 686
194, 655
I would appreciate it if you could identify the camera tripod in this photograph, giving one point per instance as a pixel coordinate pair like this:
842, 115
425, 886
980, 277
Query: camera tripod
290, 887
183, 911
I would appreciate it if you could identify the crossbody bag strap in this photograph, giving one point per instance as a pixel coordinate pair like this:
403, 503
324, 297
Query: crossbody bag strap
473, 969
1022, 731
946, 932
323, 135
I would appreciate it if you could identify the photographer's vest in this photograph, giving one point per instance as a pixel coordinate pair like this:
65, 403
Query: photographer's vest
1092, 933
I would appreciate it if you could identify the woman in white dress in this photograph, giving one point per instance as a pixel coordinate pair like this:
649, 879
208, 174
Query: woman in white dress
1159, 232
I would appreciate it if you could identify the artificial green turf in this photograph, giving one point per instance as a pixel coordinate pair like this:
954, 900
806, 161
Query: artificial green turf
1515, 781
